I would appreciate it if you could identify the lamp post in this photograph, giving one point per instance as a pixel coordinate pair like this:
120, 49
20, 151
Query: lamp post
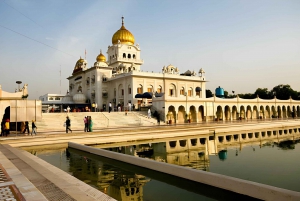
186, 98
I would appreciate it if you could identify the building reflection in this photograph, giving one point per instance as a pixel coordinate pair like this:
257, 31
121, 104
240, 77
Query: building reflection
118, 184
194, 152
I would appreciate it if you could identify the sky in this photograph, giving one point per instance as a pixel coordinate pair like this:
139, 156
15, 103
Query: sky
241, 45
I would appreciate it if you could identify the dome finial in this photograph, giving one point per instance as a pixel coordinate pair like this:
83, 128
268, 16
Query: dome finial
122, 21
100, 51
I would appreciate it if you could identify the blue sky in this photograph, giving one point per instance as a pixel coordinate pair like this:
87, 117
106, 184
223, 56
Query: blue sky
241, 45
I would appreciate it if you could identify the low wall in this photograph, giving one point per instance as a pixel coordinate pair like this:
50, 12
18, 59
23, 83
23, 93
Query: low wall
252, 189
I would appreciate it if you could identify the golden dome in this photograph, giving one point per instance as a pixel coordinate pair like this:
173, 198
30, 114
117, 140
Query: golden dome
101, 57
123, 35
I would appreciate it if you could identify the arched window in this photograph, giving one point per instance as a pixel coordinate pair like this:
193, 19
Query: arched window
140, 89
159, 89
172, 90
182, 91
133, 56
190, 92
79, 89
150, 88
129, 56
124, 55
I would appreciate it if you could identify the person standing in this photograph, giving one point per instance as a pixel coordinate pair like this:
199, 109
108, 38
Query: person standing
119, 107
129, 106
6, 127
90, 124
26, 127
2, 128
33, 127
85, 120
149, 113
109, 107
68, 125
68, 109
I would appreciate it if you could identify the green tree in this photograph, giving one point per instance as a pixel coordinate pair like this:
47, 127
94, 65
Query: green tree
263, 93
283, 92
208, 93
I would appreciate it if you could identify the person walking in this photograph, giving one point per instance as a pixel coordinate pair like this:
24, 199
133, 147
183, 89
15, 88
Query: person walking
85, 120
33, 128
109, 107
68, 125
26, 127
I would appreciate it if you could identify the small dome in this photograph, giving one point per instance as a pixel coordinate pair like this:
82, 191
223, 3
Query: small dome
79, 98
80, 64
123, 35
101, 57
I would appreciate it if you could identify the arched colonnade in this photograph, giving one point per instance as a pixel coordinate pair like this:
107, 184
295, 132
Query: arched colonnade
214, 111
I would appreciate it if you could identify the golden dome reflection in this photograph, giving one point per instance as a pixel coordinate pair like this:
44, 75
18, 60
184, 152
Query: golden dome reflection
123, 35
101, 57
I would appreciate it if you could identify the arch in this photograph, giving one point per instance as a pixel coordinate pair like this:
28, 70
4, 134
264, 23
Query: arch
284, 114
129, 56
193, 114
182, 91
234, 112
79, 89
172, 90
201, 113
298, 111
261, 112
249, 112
268, 112
181, 116
289, 111
255, 113
159, 89
133, 56
274, 112
171, 114
242, 112
124, 55
219, 113
139, 89
227, 113
279, 112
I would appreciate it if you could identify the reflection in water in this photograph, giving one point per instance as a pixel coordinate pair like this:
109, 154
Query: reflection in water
254, 155
118, 184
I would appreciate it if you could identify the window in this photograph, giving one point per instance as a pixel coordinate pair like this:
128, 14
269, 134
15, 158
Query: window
129, 90
171, 92
159, 89
50, 98
197, 93
124, 55
182, 91
189, 92
122, 91
57, 98
133, 56
140, 90
129, 56
149, 89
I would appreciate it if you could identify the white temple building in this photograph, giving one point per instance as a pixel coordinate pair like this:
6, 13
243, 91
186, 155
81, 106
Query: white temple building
178, 97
